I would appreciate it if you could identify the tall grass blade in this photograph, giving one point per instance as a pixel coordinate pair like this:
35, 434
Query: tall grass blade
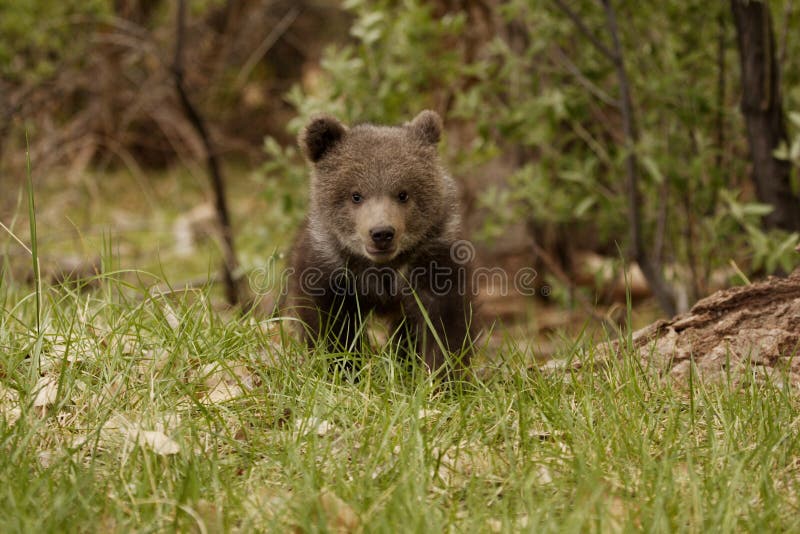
37, 274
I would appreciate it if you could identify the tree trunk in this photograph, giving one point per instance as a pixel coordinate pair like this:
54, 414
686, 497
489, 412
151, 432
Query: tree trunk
763, 112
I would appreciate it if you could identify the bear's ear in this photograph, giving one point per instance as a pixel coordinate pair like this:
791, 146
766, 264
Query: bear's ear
319, 136
427, 127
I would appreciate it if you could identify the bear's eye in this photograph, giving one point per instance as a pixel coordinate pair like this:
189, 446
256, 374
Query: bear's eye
357, 198
402, 196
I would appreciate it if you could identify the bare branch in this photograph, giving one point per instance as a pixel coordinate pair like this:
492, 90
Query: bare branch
584, 29
721, 75
230, 263
271, 38
558, 272
784, 40
652, 270
583, 80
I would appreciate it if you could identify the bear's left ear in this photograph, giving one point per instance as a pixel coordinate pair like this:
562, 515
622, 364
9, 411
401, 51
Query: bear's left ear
320, 135
427, 127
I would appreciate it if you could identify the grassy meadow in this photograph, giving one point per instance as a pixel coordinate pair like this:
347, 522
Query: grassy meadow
128, 412
123, 409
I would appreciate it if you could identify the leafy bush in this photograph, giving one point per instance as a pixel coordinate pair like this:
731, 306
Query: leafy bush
36, 34
528, 83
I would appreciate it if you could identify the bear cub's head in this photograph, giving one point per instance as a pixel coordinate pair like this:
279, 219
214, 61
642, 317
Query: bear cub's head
378, 191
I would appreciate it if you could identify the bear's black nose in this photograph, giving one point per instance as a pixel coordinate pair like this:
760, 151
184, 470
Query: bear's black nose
382, 235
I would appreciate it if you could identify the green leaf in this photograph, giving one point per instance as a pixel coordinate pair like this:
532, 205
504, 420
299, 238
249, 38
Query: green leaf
781, 151
756, 209
794, 152
584, 206
652, 169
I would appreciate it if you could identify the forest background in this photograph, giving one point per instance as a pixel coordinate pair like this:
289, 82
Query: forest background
585, 135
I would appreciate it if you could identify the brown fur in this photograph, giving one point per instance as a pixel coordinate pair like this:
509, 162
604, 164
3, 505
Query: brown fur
381, 164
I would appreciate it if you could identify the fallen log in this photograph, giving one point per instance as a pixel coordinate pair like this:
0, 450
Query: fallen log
753, 328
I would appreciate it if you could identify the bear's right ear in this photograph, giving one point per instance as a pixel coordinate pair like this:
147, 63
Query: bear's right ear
427, 127
319, 136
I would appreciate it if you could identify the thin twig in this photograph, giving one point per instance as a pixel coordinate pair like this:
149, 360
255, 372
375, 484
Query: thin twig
589, 34
559, 273
230, 263
596, 147
268, 42
651, 270
720, 115
590, 86
784, 40
661, 223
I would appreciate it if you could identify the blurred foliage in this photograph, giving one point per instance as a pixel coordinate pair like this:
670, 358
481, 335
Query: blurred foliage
535, 88
36, 35
515, 80
285, 178
791, 150
91, 81
395, 63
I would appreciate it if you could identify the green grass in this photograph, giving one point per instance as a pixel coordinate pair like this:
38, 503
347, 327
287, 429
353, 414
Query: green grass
122, 411
78, 220
281, 444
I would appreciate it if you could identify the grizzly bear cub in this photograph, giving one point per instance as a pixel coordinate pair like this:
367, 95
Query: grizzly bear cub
381, 237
